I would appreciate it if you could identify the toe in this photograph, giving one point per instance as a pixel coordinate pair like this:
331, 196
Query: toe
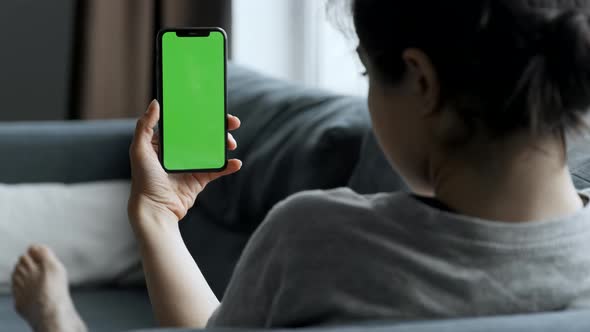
40, 253
25, 264
18, 271
22, 272
44, 256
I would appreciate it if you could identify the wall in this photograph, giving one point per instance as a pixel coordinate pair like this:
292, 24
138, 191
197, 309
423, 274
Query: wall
34, 58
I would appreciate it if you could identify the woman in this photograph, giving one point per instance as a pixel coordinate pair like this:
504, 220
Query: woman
470, 101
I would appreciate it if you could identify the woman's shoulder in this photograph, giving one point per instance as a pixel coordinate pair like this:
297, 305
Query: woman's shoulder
324, 210
334, 202
340, 197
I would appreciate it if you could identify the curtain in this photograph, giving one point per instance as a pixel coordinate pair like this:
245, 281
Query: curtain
114, 41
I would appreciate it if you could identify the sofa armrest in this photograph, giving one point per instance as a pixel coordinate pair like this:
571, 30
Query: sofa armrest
67, 152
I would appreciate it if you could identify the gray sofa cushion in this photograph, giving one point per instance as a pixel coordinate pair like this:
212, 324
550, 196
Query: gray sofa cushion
573, 321
579, 160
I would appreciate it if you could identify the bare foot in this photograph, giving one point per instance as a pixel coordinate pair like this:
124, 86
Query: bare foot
41, 294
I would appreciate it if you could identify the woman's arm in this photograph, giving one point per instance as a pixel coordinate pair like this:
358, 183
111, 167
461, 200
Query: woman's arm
179, 293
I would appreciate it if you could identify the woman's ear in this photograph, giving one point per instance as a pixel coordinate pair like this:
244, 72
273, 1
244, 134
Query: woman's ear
423, 78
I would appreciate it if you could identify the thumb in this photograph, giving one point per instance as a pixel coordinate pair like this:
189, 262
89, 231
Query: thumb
144, 130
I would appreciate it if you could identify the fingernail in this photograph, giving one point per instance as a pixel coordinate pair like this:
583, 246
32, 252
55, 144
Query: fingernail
152, 104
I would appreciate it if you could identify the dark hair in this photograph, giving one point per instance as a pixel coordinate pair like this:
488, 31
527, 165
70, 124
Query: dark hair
504, 65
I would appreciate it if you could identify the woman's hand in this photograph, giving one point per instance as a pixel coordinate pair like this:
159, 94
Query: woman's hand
155, 192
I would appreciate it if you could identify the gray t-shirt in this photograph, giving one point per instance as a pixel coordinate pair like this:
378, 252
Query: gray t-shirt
331, 257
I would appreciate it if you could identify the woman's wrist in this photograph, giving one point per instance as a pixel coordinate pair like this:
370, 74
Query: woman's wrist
144, 216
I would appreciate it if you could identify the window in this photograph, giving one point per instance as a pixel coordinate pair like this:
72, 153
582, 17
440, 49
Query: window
294, 40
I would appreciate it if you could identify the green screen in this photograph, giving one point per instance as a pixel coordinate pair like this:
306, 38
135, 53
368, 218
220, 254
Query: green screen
193, 91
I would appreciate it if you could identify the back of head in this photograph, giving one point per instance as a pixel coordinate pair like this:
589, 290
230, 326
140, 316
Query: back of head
504, 65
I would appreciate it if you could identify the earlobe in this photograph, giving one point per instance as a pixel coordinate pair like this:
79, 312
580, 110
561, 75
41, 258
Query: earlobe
425, 78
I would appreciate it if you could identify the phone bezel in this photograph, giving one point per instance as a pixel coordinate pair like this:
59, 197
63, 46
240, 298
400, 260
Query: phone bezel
197, 34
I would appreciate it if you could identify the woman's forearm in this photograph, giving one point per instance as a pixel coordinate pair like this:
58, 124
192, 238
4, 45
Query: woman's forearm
179, 293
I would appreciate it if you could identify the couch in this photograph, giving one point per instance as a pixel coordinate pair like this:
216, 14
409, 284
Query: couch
292, 139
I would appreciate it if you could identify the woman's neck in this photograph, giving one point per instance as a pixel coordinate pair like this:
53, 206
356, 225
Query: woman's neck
521, 184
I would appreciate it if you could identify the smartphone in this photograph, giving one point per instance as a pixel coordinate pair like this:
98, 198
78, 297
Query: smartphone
192, 90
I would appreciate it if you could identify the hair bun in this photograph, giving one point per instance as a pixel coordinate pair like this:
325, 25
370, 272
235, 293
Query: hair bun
567, 51
556, 82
